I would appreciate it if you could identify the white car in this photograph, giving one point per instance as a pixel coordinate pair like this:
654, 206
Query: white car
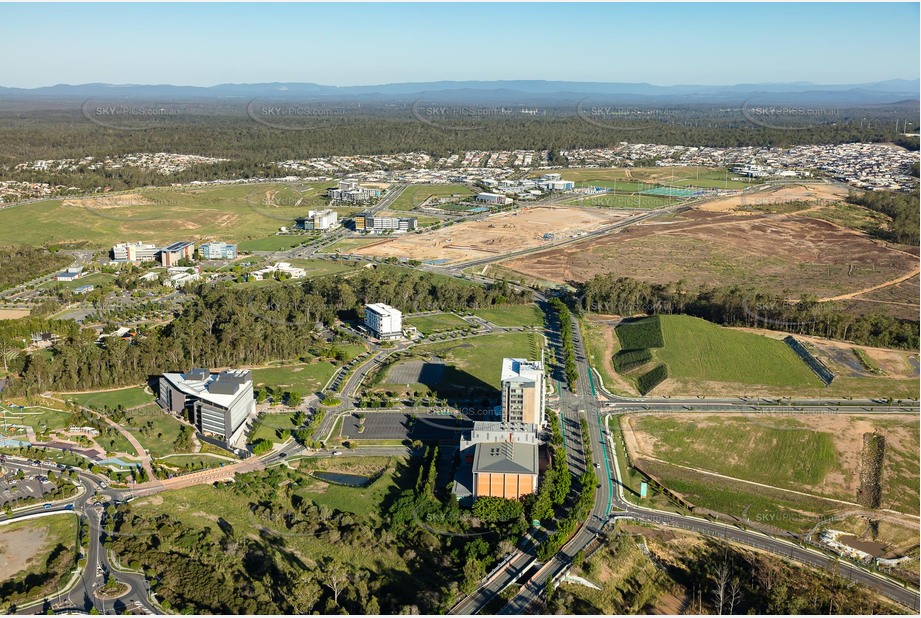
336, 453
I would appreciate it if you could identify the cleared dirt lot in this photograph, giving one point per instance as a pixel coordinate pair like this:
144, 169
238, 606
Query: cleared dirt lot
786, 254
12, 314
495, 235
109, 201
788, 193
19, 547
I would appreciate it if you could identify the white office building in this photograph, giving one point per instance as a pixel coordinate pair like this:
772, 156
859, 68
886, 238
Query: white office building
383, 321
493, 198
318, 220
218, 404
135, 252
351, 191
523, 391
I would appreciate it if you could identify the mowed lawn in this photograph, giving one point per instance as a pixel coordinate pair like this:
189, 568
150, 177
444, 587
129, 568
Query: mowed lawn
437, 322
126, 397
737, 447
698, 350
305, 378
481, 357
154, 428
269, 424
512, 315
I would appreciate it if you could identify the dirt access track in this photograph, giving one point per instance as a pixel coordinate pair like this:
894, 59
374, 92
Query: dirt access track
783, 254
496, 235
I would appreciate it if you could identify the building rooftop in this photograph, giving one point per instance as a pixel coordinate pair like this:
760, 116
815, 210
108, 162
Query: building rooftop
177, 246
505, 458
221, 388
521, 370
382, 309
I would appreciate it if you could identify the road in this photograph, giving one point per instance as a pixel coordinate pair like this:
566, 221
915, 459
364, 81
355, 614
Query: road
89, 505
610, 502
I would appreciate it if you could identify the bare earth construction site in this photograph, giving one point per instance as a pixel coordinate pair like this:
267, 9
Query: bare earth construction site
497, 235
793, 254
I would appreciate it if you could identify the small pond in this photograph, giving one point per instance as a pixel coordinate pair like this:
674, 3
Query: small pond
341, 478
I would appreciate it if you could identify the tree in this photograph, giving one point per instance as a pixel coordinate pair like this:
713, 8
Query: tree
294, 399
335, 576
305, 593
721, 583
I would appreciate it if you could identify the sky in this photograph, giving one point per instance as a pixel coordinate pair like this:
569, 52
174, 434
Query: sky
360, 44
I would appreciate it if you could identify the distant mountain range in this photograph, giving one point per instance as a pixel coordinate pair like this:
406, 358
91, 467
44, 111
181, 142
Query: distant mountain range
514, 92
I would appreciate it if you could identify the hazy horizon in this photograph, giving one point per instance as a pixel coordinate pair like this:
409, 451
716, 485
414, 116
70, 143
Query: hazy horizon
369, 44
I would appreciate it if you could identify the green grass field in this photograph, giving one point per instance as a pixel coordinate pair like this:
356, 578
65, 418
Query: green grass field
156, 430
322, 268
96, 279
39, 418
437, 322
359, 500
126, 397
306, 378
234, 213
347, 245
699, 350
479, 359
269, 424
196, 507
808, 455
512, 315
703, 177
194, 461
776, 508
272, 243
414, 195
734, 446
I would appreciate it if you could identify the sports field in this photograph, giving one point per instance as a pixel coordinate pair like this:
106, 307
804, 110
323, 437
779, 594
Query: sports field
161, 215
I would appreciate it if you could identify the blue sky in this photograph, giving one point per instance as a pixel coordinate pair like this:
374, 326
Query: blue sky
348, 44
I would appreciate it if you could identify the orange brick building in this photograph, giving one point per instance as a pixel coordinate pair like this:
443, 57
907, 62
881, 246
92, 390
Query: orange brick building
505, 470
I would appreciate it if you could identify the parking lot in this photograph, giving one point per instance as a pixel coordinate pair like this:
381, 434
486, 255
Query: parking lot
398, 426
416, 372
12, 489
